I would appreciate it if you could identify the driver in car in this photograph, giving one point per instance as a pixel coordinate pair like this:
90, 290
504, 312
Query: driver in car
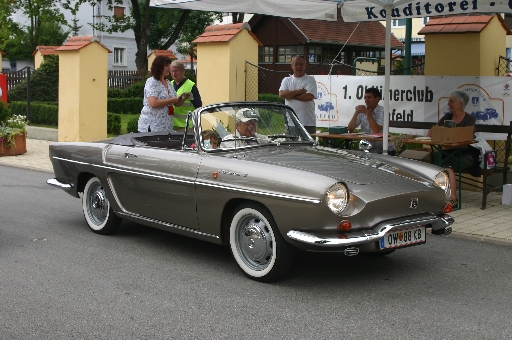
246, 124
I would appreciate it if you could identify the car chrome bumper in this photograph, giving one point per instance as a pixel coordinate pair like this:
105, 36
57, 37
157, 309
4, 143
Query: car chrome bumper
371, 235
59, 184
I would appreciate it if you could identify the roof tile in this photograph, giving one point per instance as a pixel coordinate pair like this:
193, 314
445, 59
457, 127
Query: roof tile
78, 42
363, 33
46, 50
166, 53
461, 24
223, 33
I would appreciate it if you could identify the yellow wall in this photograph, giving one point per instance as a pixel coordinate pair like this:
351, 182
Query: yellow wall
466, 54
221, 68
83, 80
151, 57
38, 59
367, 65
493, 43
452, 54
213, 76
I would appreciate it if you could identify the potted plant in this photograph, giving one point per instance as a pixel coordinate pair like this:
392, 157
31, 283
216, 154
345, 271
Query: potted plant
13, 136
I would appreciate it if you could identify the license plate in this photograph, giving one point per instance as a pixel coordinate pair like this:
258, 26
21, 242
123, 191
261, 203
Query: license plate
403, 237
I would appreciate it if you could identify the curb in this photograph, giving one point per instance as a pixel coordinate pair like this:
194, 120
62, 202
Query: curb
483, 239
41, 133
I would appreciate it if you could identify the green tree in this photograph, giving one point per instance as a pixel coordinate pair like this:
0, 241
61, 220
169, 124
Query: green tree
155, 28
42, 25
195, 26
75, 28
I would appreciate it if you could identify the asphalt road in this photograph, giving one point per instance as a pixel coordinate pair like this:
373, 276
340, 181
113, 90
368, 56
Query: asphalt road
58, 280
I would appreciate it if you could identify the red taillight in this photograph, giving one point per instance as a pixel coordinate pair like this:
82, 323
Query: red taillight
448, 208
344, 225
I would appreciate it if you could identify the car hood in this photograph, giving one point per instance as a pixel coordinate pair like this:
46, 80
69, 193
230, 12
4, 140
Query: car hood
346, 165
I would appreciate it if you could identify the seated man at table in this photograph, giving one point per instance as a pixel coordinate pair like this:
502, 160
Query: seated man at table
371, 118
457, 101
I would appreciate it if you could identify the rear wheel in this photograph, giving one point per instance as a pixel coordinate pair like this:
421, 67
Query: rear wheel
97, 212
256, 244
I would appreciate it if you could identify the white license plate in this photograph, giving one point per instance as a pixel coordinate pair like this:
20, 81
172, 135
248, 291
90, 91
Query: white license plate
403, 237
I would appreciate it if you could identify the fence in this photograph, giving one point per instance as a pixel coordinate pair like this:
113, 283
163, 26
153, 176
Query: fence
261, 80
504, 66
117, 79
121, 79
16, 77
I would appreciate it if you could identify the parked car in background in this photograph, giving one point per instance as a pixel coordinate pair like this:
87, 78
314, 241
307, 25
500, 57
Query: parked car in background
264, 195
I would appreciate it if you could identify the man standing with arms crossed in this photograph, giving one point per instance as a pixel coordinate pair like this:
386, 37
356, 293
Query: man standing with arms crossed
299, 91
182, 84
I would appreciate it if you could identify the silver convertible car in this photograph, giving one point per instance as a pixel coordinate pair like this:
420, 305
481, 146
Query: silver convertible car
248, 175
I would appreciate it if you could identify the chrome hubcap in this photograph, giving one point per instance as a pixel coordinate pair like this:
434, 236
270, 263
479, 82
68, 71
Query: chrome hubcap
254, 242
97, 204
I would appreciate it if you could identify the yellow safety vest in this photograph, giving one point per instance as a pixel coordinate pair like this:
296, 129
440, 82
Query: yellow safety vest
180, 112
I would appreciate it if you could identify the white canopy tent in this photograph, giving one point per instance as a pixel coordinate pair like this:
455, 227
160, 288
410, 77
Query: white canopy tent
352, 10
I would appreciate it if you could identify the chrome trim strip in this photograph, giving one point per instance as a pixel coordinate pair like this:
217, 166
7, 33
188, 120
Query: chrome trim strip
170, 225
120, 168
59, 184
262, 193
367, 236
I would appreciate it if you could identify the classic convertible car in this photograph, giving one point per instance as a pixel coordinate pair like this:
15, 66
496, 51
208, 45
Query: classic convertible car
265, 188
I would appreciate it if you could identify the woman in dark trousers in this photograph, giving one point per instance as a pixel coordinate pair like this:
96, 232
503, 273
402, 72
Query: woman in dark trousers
457, 101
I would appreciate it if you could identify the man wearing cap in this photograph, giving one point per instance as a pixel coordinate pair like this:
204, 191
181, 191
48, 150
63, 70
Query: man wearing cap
246, 124
299, 91
182, 84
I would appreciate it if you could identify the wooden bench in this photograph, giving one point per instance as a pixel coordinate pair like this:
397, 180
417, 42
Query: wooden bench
501, 155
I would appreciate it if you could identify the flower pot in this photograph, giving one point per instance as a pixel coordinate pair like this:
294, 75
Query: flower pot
19, 146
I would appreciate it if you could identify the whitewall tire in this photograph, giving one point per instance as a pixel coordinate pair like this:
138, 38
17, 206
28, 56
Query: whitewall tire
96, 207
256, 244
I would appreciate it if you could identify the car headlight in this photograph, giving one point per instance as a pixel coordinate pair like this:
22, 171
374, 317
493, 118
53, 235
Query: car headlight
337, 198
441, 180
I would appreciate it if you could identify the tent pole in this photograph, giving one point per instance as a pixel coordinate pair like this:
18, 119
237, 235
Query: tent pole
385, 94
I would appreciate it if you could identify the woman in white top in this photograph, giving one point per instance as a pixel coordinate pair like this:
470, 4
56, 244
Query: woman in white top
159, 98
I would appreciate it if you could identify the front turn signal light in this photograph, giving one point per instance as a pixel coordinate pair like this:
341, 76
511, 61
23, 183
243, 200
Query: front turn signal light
344, 225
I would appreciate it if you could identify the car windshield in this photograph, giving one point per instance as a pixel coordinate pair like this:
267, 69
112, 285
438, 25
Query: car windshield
250, 125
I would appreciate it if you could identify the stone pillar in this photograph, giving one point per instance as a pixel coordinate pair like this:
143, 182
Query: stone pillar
83, 84
222, 51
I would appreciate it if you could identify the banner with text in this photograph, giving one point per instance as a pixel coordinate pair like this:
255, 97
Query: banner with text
414, 98
360, 10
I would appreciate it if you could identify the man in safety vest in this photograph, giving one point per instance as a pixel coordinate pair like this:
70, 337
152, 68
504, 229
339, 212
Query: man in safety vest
182, 85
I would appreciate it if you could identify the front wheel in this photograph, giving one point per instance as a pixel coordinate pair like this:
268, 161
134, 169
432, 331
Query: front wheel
256, 244
97, 212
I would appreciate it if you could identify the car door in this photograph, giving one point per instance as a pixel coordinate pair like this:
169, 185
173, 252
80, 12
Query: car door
156, 183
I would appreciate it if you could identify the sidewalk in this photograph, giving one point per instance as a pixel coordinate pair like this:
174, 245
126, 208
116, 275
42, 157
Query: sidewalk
492, 225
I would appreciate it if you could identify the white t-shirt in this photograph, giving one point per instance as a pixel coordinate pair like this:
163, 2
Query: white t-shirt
304, 110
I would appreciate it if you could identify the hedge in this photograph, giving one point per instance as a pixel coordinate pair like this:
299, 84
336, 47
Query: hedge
124, 105
270, 97
40, 113
4, 112
113, 123
133, 125
134, 91
46, 114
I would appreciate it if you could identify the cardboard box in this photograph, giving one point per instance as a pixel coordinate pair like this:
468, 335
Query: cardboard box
441, 134
422, 155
